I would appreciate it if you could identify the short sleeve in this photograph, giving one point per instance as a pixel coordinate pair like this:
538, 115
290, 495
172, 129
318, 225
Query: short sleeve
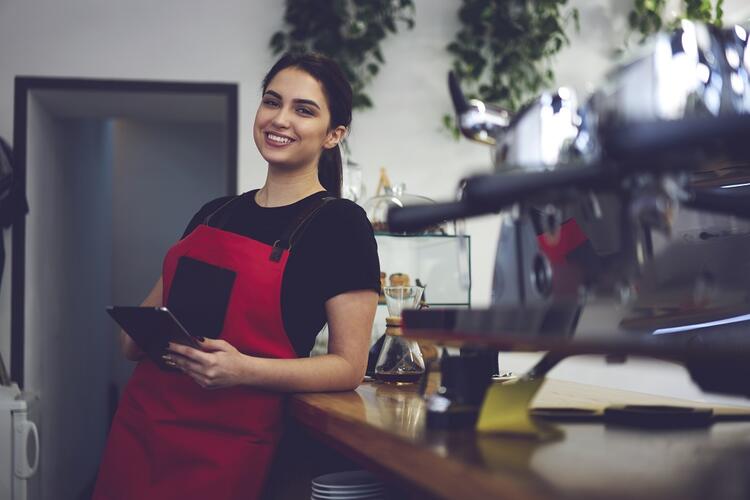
344, 251
204, 212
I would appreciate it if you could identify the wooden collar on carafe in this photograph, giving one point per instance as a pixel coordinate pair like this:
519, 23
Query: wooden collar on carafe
393, 325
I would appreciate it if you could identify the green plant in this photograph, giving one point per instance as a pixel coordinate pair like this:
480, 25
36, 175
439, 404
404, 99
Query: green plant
646, 17
348, 31
701, 10
502, 53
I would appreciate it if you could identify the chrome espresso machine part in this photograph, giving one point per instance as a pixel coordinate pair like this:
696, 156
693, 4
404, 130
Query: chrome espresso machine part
625, 222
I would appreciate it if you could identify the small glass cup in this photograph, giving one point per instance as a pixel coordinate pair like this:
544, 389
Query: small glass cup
398, 298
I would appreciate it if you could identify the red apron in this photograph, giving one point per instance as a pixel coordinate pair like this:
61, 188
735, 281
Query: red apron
171, 438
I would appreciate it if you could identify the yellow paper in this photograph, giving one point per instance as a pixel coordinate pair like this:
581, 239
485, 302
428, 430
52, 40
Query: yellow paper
506, 410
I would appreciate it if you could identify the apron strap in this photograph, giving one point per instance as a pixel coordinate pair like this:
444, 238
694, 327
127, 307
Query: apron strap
223, 219
296, 229
288, 237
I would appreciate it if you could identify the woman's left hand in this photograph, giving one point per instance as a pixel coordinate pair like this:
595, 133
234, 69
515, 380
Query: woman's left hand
217, 365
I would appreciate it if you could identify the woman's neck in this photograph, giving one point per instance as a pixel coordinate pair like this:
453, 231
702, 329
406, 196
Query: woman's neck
284, 187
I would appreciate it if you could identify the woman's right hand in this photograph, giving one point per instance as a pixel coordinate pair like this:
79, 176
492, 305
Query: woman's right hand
129, 348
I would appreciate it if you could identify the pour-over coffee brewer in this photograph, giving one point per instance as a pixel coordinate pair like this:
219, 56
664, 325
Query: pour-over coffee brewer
400, 360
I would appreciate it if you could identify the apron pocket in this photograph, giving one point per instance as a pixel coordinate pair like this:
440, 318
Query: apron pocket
199, 296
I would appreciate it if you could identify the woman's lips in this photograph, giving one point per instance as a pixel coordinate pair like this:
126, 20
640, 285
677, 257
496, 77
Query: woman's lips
277, 140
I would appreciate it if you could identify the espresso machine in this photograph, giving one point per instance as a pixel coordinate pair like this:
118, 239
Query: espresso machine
625, 216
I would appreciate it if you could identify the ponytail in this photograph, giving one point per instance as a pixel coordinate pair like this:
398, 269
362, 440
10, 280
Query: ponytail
330, 170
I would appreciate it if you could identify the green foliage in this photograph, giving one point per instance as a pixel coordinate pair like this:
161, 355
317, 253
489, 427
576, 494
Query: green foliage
348, 31
503, 51
646, 17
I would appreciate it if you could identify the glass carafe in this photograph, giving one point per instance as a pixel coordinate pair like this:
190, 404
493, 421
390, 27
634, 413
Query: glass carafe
400, 359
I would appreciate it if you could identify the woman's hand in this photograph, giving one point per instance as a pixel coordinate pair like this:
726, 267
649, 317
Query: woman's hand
217, 365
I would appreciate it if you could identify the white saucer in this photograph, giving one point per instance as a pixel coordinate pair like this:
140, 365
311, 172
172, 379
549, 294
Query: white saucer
348, 479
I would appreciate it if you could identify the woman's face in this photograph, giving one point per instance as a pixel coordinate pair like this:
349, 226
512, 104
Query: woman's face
292, 122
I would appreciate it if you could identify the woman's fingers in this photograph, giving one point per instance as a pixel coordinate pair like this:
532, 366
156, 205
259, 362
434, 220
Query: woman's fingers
198, 377
200, 372
188, 352
206, 345
182, 362
213, 345
207, 368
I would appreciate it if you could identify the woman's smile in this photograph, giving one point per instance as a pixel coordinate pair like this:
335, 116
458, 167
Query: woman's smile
277, 140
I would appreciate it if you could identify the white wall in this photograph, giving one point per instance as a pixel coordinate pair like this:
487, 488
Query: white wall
227, 41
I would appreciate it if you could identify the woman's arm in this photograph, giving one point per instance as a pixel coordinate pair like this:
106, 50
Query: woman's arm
350, 318
129, 348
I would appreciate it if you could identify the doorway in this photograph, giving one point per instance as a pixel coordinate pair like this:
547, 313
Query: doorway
113, 170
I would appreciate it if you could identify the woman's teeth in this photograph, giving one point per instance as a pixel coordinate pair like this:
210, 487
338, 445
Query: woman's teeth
278, 139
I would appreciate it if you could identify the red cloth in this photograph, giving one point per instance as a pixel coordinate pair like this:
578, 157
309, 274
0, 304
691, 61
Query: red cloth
558, 247
171, 438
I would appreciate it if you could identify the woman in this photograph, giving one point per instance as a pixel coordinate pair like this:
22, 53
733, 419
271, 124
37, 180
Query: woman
265, 270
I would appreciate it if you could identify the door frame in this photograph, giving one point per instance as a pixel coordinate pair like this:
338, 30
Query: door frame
24, 85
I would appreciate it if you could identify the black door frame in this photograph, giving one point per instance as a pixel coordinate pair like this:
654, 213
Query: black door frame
26, 84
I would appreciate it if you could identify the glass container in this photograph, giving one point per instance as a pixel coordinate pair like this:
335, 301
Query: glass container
352, 187
377, 208
400, 360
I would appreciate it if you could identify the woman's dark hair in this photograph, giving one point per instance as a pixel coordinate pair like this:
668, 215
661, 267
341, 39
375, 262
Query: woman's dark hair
338, 92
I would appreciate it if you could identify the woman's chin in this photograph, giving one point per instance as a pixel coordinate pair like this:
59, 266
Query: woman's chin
285, 160
275, 157
281, 162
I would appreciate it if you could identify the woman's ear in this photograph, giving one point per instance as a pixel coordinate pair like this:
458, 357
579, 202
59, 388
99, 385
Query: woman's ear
335, 137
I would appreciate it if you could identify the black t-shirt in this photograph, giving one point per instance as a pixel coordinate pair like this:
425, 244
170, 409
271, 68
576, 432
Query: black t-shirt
336, 253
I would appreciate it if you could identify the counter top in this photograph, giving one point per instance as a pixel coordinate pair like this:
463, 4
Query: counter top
382, 427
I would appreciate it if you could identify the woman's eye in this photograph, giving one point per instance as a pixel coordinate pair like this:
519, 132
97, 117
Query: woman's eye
270, 102
305, 111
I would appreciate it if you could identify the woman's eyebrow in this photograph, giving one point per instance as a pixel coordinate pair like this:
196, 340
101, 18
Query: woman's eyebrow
273, 94
306, 101
297, 101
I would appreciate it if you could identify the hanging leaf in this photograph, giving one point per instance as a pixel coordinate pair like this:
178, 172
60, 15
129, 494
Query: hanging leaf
277, 41
503, 50
348, 31
646, 16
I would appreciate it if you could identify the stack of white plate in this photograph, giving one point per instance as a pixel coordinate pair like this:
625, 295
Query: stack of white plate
351, 485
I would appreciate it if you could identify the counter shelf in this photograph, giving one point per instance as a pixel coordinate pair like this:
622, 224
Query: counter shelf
382, 427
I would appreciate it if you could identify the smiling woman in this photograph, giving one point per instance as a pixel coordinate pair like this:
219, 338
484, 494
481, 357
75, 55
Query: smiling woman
297, 257
293, 131
305, 113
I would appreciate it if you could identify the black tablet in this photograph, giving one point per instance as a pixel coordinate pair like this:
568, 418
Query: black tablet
152, 328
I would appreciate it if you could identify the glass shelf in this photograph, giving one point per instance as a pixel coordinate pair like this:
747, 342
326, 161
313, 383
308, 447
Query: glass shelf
426, 235
437, 260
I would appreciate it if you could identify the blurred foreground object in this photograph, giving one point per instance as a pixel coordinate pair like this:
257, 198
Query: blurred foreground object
624, 220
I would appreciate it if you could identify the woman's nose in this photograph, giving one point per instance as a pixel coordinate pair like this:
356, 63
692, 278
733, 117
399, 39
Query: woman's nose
281, 118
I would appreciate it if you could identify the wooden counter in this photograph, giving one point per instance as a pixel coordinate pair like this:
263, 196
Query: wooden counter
382, 427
